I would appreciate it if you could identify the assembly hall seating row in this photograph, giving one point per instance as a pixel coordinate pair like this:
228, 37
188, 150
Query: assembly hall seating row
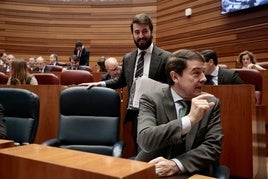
243, 125
241, 130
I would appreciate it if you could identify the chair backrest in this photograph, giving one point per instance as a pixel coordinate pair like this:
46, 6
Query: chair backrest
254, 77
250, 76
89, 119
263, 64
74, 77
47, 78
3, 78
87, 68
56, 68
21, 114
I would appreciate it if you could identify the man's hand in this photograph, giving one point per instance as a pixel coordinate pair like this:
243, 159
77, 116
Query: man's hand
90, 85
199, 107
164, 167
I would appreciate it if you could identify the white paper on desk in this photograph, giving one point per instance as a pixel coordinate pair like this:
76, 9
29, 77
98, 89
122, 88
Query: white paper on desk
143, 85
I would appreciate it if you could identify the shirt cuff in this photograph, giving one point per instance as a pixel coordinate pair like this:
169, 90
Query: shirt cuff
186, 124
179, 164
103, 84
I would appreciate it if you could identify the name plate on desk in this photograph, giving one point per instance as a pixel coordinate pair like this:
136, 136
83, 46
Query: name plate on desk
43, 162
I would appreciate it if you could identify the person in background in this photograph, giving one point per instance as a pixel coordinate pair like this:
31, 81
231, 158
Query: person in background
113, 69
101, 64
217, 75
248, 61
3, 60
154, 65
6, 65
53, 59
31, 63
3, 132
74, 64
19, 74
175, 137
82, 53
40, 66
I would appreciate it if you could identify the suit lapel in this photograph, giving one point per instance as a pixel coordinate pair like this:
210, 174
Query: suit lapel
169, 104
130, 63
220, 77
155, 60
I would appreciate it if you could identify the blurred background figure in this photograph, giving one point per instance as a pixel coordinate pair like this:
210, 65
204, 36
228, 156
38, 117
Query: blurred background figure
215, 74
248, 61
113, 69
3, 59
101, 64
31, 63
53, 59
6, 65
74, 64
82, 53
19, 73
40, 65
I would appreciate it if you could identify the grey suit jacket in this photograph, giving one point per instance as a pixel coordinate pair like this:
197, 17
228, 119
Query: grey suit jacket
228, 76
157, 69
159, 133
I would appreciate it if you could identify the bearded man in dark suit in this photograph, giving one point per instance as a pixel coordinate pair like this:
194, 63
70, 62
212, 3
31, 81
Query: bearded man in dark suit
154, 64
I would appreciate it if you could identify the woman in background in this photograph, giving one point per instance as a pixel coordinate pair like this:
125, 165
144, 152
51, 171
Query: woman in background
248, 61
19, 73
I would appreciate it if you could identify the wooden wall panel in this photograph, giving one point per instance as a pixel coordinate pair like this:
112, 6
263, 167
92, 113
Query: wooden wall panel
33, 28
207, 28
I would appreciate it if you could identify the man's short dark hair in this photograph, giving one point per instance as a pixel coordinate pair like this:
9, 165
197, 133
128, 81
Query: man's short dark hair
178, 62
210, 54
142, 18
78, 44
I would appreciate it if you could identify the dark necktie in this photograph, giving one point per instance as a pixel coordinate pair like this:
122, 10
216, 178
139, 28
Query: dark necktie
140, 64
209, 80
186, 106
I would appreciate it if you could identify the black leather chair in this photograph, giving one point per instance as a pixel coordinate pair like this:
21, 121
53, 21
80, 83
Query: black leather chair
89, 121
21, 114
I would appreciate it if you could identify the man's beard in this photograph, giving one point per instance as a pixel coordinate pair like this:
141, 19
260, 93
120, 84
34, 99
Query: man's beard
146, 45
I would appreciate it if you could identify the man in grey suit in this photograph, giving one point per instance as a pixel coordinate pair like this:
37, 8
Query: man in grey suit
217, 75
177, 143
154, 63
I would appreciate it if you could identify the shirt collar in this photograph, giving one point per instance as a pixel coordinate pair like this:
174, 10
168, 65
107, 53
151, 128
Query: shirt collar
215, 72
175, 96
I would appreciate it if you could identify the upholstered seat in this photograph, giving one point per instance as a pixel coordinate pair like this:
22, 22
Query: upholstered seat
55, 68
89, 121
254, 77
21, 114
263, 64
75, 77
47, 78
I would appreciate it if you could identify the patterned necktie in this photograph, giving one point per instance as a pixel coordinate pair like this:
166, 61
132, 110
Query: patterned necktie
186, 106
209, 80
140, 64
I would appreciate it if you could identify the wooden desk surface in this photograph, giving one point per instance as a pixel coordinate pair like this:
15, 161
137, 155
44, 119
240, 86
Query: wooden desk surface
6, 143
51, 162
